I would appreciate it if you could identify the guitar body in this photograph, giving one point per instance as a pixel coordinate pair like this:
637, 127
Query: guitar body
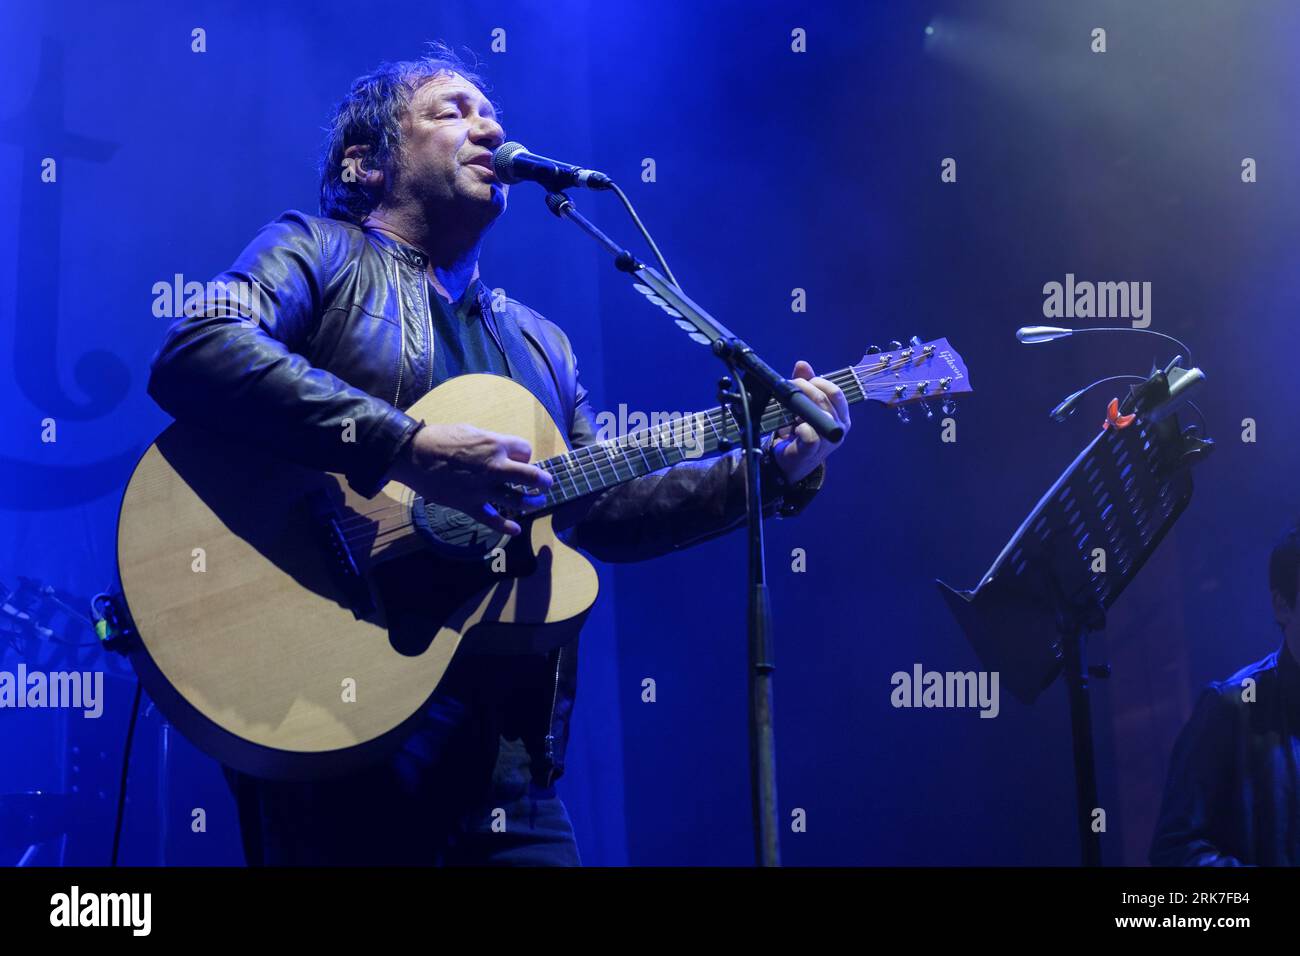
294, 629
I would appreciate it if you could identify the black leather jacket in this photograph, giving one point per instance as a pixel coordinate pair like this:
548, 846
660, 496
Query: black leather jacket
342, 329
1230, 798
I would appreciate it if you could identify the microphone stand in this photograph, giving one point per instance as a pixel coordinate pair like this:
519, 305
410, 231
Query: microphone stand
755, 384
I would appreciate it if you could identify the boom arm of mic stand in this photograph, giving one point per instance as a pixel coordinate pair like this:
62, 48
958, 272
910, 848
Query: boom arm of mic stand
694, 319
757, 381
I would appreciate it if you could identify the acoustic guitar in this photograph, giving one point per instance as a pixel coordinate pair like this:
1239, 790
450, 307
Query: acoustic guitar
292, 628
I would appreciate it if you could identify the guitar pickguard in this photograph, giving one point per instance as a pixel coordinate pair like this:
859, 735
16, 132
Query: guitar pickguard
454, 534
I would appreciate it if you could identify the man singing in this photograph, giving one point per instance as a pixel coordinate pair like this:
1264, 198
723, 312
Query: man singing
1231, 796
362, 311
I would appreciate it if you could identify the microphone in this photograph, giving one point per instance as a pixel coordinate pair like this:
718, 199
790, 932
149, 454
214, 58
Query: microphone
513, 163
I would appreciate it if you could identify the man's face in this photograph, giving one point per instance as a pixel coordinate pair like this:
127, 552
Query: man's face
448, 138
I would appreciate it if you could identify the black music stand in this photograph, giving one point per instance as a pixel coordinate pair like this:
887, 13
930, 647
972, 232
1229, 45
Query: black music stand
1030, 615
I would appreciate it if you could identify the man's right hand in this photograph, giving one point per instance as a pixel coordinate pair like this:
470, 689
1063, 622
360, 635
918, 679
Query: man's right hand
469, 469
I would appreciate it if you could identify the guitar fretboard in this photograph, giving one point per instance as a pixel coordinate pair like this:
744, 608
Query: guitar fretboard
604, 464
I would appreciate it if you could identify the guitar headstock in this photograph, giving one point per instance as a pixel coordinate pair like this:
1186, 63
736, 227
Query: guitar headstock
930, 373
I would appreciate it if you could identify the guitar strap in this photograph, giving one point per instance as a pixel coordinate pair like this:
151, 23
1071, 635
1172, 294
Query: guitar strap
522, 364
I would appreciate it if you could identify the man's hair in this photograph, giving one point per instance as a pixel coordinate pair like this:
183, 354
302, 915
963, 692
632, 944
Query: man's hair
1284, 565
371, 115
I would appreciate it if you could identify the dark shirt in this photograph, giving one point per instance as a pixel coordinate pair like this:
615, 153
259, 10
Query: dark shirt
434, 800
462, 342
1230, 799
512, 689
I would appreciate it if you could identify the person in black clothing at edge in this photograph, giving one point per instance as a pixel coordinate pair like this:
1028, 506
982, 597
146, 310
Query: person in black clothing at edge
361, 311
1231, 795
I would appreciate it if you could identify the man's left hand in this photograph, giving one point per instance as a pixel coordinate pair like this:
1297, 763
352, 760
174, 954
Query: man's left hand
799, 449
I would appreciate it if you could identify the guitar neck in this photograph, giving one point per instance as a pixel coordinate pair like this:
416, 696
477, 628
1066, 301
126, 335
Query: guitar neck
605, 464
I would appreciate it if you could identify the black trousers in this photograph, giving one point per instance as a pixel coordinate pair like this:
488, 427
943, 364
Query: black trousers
460, 792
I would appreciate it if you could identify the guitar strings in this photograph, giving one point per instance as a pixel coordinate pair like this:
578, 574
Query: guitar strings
582, 463
587, 472
592, 468
588, 466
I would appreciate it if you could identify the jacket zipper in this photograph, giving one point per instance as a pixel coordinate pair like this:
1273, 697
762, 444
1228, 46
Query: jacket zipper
492, 322
401, 332
428, 324
550, 724
490, 316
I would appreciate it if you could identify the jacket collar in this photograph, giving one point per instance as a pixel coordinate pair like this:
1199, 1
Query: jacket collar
414, 257
397, 249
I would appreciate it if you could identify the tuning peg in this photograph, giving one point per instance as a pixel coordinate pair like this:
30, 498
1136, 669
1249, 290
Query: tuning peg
873, 349
925, 407
915, 341
903, 415
948, 406
895, 345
